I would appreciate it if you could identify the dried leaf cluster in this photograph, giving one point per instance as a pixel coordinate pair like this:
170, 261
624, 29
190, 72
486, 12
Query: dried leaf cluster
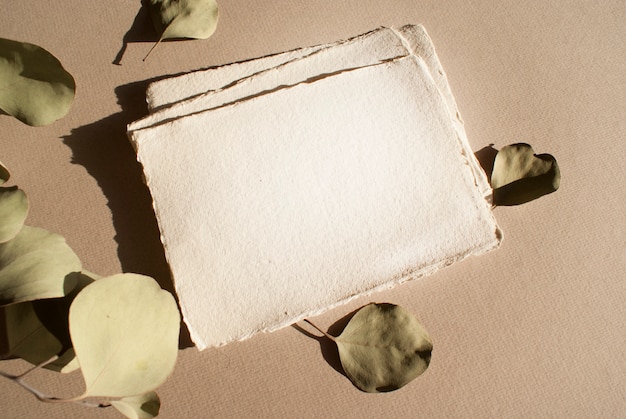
57, 316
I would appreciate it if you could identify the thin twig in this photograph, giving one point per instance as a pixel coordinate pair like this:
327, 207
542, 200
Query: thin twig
19, 380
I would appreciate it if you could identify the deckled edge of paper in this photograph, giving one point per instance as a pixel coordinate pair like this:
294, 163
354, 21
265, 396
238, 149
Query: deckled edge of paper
410, 276
413, 36
440, 80
165, 83
152, 90
182, 106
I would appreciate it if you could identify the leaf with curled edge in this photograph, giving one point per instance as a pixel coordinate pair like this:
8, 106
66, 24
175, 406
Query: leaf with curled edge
519, 175
34, 86
174, 19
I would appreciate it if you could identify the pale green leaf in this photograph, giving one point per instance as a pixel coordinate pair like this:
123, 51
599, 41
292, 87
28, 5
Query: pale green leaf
383, 347
38, 330
13, 212
4, 173
144, 406
519, 175
172, 19
36, 264
125, 333
34, 86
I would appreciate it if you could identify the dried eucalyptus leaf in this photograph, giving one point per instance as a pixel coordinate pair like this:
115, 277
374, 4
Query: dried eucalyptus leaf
26, 337
38, 330
34, 86
519, 175
13, 212
383, 347
125, 333
172, 19
4, 174
36, 264
144, 406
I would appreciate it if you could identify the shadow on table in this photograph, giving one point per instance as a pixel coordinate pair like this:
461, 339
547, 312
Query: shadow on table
328, 347
486, 156
142, 30
103, 149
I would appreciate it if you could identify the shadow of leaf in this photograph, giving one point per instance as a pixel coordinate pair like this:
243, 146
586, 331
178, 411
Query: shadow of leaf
486, 156
328, 347
528, 189
522, 190
142, 30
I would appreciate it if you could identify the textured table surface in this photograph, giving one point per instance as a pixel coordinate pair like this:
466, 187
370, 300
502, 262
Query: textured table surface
533, 329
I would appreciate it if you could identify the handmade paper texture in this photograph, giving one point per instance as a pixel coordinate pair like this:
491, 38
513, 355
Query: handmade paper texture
168, 91
284, 205
369, 48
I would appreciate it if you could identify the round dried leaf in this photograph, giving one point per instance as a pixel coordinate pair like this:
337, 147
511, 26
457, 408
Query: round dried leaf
125, 333
34, 86
383, 347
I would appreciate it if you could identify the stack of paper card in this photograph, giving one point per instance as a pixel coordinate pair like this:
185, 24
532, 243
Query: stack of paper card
287, 185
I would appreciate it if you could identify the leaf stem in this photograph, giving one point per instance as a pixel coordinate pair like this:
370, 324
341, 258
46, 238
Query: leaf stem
320, 330
151, 49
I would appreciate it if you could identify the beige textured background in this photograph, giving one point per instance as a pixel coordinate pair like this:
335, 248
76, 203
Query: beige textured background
534, 329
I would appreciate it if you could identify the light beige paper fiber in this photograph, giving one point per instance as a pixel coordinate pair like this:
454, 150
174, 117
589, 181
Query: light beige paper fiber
168, 91
284, 205
366, 49
298, 66
165, 92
